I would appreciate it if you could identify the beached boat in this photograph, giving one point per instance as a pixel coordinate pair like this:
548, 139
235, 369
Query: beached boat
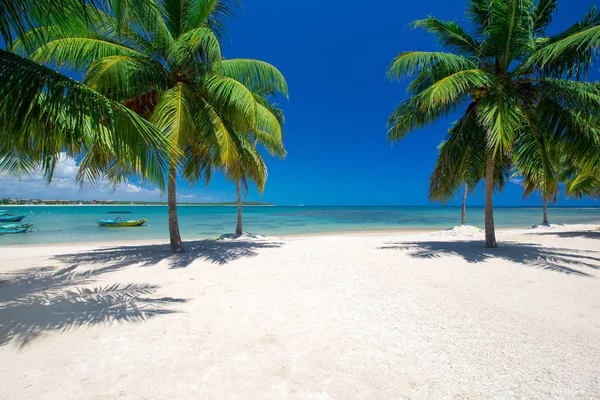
120, 223
14, 228
6, 217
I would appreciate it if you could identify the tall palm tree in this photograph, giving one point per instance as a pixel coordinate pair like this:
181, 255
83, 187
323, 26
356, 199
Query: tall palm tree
166, 65
44, 112
250, 165
513, 79
463, 211
536, 162
454, 170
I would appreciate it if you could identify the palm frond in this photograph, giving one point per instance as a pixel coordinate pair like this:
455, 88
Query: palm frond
79, 52
72, 116
216, 132
198, 45
211, 14
543, 15
174, 114
254, 74
572, 52
509, 31
231, 98
124, 77
407, 63
502, 118
450, 34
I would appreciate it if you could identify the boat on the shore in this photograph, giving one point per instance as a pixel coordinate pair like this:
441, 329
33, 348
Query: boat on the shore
6, 217
14, 228
120, 223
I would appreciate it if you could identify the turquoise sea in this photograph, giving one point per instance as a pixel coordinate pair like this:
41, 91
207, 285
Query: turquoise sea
65, 224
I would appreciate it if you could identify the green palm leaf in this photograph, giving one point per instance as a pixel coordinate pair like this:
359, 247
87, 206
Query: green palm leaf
125, 77
199, 45
232, 98
254, 74
407, 63
450, 34
71, 115
79, 52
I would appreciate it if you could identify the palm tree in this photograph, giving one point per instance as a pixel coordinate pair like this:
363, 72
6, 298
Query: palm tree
250, 165
44, 113
536, 162
463, 212
447, 178
513, 79
165, 65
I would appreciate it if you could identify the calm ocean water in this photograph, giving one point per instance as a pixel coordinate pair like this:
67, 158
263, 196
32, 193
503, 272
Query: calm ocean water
64, 224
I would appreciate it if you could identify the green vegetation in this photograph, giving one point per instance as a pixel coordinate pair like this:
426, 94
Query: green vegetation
158, 100
157, 65
44, 113
250, 165
522, 93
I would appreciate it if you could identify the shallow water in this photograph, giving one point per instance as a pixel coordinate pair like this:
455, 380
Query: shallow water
64, 224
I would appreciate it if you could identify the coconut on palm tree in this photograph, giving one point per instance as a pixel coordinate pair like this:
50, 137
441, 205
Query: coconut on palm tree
166, 65
507, 78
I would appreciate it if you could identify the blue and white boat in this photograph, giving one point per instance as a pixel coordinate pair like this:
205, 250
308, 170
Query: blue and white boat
6, 217
14, 228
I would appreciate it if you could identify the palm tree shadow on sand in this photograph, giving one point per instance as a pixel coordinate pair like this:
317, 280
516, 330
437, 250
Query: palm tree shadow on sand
42, 300
555, 259
212, 250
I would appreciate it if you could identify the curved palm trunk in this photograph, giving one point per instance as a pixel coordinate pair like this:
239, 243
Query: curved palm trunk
463, 219
490, 233
545, 213
239, 230
176, 245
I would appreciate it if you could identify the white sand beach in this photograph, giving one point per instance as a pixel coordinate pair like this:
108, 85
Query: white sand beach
377, 316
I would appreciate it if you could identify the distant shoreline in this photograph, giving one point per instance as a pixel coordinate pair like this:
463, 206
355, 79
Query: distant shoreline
2, 206
133, 205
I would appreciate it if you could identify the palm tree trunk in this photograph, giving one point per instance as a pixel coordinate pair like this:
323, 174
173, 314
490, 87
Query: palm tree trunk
463, 219
239, 230
545, 213
490, 233
176, 245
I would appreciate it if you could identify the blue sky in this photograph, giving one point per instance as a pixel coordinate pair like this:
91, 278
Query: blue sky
334, 55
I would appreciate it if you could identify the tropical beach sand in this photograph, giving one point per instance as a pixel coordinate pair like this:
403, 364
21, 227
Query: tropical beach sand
388, 316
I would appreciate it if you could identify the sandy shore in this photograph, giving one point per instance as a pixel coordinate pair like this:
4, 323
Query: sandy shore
373, 316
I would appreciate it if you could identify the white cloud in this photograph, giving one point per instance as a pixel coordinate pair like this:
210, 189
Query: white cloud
516, 180
187, 196
64, 187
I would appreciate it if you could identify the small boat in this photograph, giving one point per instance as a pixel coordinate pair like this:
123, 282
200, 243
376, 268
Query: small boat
120, 223
14, 228
6, 217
